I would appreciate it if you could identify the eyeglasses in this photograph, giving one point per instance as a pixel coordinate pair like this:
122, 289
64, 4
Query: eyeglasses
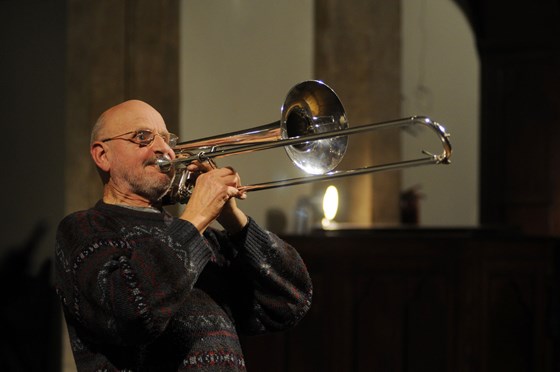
145, 137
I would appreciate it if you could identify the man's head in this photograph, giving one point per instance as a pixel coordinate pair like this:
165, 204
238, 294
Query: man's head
125, 142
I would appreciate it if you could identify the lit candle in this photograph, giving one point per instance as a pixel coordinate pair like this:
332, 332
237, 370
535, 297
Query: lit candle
330, 206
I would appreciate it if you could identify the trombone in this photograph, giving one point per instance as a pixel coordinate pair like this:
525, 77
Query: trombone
313, 129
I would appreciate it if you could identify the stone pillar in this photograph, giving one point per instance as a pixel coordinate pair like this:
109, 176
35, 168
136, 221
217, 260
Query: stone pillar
357, 53
117, 50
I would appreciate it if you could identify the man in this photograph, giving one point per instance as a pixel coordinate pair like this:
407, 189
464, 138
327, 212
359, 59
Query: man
144, 291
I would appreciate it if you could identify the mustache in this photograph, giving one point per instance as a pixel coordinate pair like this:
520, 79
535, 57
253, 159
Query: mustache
153, 160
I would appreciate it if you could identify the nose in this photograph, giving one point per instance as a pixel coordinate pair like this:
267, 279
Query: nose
162, 147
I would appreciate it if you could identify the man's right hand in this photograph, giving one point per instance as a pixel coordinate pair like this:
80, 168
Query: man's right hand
213, 189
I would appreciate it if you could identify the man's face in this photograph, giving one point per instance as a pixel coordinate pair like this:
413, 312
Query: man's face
134, 168
132, 165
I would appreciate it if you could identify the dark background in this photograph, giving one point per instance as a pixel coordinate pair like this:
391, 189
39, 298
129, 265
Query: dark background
509, 272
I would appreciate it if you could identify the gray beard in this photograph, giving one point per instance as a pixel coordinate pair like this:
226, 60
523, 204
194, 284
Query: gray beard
153, 194
151, 190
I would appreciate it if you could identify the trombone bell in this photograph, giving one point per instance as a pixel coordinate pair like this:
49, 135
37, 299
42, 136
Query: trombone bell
312, 107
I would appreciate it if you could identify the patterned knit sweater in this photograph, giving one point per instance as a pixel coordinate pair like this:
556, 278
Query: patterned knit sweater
145, 291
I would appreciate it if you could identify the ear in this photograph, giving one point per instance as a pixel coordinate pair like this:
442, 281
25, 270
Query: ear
99, 154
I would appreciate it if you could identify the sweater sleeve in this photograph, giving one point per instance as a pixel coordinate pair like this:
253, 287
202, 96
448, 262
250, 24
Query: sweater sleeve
273, 289
122, 285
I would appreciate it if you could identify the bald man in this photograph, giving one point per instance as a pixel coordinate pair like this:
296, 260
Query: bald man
146, 291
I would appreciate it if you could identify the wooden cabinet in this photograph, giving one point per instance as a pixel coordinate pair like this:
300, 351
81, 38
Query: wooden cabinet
420, 300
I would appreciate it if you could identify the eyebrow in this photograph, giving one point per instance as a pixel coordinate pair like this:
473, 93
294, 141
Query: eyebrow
153, 131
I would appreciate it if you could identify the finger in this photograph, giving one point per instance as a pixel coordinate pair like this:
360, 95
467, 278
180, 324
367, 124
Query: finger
193, 167
232, 192
228, 176
207, 165
237, 177
197, 165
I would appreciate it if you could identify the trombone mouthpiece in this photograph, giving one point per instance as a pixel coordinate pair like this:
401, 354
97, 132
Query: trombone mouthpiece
164, 164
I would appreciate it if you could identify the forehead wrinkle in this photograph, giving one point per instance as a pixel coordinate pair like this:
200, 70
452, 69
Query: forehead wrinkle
131, 116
